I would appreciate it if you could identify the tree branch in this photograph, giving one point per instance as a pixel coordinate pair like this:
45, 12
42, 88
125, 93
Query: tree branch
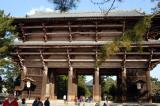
110, 7
104, 2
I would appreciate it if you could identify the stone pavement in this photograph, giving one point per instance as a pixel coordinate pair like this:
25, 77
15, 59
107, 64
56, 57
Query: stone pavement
61, 103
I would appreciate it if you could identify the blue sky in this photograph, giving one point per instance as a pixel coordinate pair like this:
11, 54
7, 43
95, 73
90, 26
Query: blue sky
22, 7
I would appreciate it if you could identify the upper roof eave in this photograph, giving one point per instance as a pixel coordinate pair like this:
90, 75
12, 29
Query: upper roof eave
83, 15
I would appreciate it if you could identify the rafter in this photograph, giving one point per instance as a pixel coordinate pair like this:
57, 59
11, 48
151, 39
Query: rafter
45, 33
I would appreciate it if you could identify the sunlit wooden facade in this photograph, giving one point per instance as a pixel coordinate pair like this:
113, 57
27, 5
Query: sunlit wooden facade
70, 44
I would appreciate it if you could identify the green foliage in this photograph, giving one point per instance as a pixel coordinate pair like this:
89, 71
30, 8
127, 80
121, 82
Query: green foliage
10, 72
83, 90
155, 86
61, 81
6, 38
156, 9
7, 68
64, 5
109, 88
124, 43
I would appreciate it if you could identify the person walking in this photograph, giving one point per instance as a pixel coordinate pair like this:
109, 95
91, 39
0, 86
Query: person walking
11, 101
107, 104
64, 98
40, 102
37, 102
23, 102
47, 103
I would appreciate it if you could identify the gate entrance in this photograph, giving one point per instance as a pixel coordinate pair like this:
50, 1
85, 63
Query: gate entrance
70, 44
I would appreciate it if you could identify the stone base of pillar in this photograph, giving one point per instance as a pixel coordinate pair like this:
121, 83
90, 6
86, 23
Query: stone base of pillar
96, 98
70, 98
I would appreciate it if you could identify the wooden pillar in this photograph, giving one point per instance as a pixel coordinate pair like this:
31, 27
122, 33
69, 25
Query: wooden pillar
52, 86
148, 81
124, 85
75, 82
44, 82
96, 87
70, 93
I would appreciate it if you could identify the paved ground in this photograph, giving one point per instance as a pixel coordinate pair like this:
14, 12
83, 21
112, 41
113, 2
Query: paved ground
61, 103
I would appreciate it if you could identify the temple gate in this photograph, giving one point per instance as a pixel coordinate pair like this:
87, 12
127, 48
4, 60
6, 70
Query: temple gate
69, 44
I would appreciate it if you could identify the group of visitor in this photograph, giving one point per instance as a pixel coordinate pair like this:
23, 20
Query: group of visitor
12, 101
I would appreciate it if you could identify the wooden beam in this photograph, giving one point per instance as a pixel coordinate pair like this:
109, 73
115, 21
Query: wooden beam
69, 28
77, 32
75, 26
44, 33
91, 60
82, 53
23, 32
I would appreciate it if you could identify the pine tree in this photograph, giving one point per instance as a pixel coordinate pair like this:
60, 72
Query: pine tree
6, 39
64, 5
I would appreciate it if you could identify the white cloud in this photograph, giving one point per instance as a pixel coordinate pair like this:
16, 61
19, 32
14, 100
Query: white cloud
40, 9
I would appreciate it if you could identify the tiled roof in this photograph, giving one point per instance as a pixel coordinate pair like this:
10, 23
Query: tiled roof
42, 14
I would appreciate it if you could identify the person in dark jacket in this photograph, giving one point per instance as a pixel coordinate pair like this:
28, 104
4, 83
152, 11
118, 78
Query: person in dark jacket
47, 103
37, 102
